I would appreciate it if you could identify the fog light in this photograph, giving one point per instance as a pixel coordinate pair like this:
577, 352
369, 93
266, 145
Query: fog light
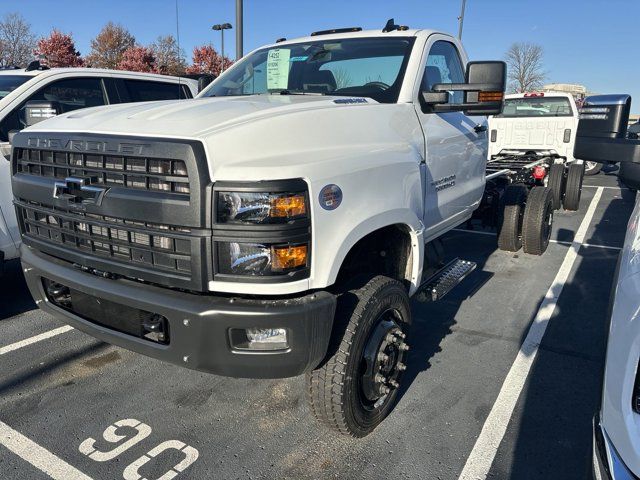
261, 339
156, 329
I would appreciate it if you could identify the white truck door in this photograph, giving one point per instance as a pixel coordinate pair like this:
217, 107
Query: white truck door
456, 144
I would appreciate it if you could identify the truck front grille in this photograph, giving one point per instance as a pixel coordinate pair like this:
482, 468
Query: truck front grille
143, 173
161, 247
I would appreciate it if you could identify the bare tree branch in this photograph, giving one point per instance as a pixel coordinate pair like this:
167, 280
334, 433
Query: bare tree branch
525, 72
17, 40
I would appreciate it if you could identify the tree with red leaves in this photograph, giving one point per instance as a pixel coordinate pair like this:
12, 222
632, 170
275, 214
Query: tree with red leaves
207, 60
59, 50
138, 59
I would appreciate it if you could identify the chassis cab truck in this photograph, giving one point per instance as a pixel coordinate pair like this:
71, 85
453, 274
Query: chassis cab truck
276, 225
543, 125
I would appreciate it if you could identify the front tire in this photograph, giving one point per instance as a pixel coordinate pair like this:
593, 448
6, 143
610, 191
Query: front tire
356, 386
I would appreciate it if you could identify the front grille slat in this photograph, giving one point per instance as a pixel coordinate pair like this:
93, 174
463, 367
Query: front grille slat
138, 173
161, 247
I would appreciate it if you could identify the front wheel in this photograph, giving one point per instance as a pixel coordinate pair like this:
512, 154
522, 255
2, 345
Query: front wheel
356, 386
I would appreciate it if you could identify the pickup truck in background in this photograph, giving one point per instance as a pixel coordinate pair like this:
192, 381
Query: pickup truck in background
279, 223
28, 96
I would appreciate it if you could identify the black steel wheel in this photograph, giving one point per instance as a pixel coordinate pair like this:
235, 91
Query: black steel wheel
537, 222
573, 191
556, 183
592, 168
356, 386
510, 218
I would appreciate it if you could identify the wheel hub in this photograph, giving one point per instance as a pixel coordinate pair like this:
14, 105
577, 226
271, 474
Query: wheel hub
383, 355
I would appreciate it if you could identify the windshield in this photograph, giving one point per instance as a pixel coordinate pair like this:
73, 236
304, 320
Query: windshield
358, 67
8, 83
537, 107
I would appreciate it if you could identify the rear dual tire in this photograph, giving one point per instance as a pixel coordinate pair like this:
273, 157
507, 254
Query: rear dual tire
538, 220
573, 190
526, 219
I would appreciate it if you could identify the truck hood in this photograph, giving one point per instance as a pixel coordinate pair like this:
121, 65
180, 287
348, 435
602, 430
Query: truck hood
194, 119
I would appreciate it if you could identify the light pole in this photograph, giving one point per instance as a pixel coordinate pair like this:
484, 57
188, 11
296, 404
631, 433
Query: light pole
461, 19
222, 27
239, 29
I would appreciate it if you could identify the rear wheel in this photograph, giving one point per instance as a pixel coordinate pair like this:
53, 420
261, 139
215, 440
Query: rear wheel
510, 220
537, 222
592, 168
356, 386
556, 184
573, 190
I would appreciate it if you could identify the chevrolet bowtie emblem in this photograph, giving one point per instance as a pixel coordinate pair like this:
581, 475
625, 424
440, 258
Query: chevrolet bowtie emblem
78, 190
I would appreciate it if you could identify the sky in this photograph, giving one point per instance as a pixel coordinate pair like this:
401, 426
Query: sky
592, 42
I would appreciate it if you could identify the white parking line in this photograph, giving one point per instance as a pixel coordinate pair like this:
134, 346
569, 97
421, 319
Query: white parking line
559, 242
34, 339
479, 462
38, 456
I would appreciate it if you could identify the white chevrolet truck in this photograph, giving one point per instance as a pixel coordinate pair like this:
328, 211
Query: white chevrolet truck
279, 223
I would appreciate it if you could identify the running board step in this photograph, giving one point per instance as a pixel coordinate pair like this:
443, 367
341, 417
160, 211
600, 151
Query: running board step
444, 280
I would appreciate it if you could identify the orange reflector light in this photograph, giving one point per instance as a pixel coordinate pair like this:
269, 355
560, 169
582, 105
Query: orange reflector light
284, 258
490, 96
288, 207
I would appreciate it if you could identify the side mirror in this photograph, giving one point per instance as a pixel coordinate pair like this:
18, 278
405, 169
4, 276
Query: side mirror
602, 136
35, 111
484, 87
204, 81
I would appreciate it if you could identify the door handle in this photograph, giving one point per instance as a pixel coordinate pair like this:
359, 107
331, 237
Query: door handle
480, 128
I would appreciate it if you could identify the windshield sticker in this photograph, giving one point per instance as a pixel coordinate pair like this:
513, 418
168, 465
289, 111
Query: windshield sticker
299, 59
278, 69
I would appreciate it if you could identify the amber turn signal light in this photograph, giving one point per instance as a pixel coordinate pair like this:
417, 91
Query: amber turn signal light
490, 96
285, 258
288, 207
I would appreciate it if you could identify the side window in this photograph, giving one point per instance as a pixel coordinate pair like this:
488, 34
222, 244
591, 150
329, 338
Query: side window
71, 94
444, 66
146, 91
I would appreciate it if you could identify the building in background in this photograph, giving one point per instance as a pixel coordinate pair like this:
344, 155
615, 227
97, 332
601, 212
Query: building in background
578, 91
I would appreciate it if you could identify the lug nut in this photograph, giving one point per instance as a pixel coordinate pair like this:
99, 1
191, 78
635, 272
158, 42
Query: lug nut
401, 366
394, 384
402, 335
403, 346
379, 378
383, 357
385, 390
390, 338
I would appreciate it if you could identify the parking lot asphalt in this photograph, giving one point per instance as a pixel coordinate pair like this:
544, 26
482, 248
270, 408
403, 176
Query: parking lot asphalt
59, 395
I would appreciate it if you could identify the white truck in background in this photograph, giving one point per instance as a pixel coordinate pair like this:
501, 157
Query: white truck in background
543, 125
22, 91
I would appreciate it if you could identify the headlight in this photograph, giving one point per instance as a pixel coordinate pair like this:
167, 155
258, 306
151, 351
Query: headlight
260, 207
260, 259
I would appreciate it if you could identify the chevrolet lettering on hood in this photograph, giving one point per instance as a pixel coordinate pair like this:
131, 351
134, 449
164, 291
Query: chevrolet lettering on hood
79, 145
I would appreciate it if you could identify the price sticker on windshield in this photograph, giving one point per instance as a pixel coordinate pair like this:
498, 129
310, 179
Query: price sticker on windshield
278, 69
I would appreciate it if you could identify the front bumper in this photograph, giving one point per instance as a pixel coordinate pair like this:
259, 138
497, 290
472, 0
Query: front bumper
198, 324
607, 464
